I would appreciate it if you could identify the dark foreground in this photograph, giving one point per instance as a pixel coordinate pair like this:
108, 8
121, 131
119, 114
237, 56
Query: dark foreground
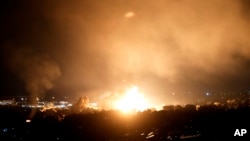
209, 123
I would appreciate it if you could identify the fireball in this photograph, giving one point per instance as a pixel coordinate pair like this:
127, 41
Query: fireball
132, 100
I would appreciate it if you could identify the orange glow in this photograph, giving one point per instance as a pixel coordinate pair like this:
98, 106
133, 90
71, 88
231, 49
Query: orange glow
132, 100
129, 14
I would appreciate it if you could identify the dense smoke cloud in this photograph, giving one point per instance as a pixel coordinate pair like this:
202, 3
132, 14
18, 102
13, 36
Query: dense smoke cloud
170, 40
37, 71
161, 46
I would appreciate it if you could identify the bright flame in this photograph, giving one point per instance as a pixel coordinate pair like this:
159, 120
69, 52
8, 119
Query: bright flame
133, 100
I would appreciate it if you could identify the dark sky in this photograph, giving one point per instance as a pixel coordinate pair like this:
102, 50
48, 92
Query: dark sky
95, 47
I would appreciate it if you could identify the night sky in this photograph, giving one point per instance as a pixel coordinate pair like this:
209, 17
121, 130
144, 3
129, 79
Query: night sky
99, 47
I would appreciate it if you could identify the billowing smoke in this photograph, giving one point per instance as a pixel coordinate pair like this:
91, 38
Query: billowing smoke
163, 46
37, 71
166, 45
108, 99
81, 104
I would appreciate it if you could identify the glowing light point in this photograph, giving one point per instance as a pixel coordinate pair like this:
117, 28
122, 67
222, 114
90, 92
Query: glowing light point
28, 120
132, 100
129, 14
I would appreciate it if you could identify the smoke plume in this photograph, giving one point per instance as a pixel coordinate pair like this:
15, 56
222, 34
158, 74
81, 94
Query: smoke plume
176, 44
162, 46
37, 71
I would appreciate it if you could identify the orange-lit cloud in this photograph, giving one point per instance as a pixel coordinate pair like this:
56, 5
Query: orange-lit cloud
129, 14
161, 46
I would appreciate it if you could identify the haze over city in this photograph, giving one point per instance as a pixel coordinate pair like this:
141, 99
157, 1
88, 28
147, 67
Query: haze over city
169, 50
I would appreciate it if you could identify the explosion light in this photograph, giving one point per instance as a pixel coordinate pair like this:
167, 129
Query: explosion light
132, 100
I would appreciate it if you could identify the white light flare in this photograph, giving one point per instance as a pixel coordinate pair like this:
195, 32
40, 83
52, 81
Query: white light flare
28, 121
132, 100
